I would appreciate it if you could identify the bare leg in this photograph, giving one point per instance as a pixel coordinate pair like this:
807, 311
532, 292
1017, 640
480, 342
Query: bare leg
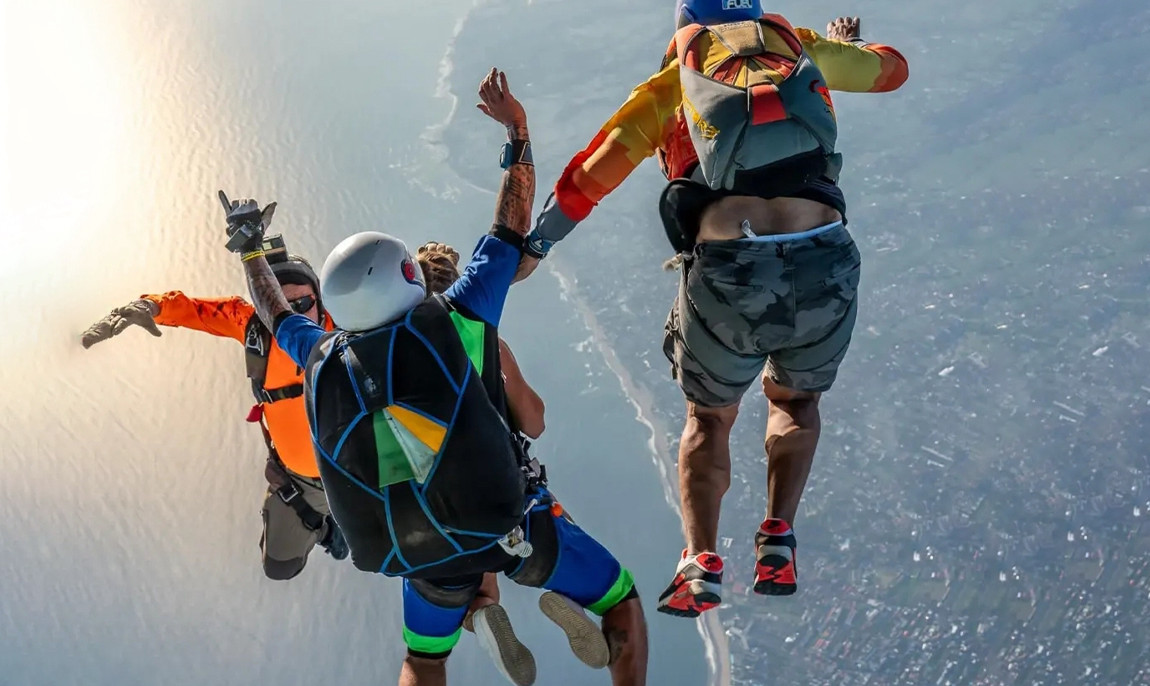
793, 427
488, 595
626, 632
704, 472
421, 671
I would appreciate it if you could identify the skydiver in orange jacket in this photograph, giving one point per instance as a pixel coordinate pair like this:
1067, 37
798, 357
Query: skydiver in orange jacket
295, 511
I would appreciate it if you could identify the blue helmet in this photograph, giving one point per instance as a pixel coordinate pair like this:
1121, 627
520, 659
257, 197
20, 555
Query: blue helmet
711, 12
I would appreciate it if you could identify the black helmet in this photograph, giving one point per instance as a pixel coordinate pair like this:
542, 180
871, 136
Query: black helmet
297, 270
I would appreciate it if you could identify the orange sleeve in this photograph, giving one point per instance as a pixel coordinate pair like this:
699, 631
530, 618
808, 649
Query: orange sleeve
227, 317
630, 136
855, 67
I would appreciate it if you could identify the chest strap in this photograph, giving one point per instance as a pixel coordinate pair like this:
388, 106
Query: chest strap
271, 395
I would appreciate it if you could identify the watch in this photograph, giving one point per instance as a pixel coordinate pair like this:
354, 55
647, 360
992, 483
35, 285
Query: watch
536, 246
515, 152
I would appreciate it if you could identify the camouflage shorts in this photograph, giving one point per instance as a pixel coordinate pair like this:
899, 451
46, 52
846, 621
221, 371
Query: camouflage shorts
786, 301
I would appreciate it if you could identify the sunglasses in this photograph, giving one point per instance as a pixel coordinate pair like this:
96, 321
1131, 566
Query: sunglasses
301, 305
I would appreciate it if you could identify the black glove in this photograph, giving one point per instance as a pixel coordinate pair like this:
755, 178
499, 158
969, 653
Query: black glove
246, 223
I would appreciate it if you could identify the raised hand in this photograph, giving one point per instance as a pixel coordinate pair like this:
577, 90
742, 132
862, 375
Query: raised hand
439, 251
246, 222
498, 102
844, 29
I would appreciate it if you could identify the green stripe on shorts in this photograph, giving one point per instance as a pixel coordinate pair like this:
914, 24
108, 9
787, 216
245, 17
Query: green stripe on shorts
619, 590
430, 644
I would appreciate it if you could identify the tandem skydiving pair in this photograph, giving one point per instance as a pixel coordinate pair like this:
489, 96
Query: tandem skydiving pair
410, 422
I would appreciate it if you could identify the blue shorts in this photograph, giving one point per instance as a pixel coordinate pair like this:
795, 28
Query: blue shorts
565, 560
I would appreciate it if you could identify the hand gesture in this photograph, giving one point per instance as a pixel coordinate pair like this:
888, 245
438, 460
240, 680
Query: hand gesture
246, 222
437, 251
139, 313
844, 29
498, 102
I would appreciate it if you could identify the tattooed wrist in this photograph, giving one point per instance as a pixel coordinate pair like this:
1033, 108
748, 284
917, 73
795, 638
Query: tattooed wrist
266, 291
518, 131
516, 196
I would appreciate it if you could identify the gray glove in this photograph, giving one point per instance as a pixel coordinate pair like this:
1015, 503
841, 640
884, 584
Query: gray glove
138, 312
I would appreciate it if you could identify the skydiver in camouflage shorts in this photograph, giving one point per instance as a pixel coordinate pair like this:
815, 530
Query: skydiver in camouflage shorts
741, 118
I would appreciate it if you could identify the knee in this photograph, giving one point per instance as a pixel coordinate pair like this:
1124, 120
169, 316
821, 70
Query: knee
282, 570
707, 422
789, 400
803, 411
424, 665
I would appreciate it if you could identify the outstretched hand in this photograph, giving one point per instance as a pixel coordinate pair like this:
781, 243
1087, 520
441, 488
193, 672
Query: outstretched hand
498, 102
844, 29
138, 313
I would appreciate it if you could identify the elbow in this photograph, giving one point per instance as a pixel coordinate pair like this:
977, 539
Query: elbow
533, 424
895, 69
533, 430
896, 79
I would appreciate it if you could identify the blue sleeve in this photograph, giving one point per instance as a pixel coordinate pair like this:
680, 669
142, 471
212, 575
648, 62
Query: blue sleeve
482, 288
297, 335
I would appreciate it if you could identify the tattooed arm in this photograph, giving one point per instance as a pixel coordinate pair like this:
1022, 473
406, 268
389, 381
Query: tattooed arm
482, 288
267, 294
295, 333
517, 192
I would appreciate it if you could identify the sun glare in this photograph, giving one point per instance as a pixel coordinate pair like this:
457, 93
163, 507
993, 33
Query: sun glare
65, 120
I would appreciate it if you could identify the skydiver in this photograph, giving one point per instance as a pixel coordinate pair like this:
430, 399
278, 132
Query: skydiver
769, 272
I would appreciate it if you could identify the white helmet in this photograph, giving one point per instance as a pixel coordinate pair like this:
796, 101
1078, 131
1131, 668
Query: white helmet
368, 280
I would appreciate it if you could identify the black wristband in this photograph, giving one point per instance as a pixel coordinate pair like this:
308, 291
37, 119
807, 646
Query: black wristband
516, 151
507, 235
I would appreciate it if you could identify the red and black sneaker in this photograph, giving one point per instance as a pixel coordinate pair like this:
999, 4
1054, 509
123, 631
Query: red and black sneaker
696, 587
775, 559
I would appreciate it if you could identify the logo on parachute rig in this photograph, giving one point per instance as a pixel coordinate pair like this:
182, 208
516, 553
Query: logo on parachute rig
819, 87
408, 270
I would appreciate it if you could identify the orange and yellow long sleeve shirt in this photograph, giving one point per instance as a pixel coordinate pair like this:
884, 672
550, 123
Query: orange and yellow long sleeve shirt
647, 123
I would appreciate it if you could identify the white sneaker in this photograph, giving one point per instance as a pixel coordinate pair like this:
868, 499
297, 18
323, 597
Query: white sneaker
512, 658
586, 638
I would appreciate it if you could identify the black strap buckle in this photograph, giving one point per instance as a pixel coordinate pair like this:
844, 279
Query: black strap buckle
534, 471
291, 489
277, 394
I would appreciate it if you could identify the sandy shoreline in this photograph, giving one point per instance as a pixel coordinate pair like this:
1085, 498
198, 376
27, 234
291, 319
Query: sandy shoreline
639, 396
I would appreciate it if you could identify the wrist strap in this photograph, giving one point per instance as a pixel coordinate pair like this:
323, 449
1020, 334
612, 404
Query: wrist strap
507, 235
251, 255
536, 246
516, 151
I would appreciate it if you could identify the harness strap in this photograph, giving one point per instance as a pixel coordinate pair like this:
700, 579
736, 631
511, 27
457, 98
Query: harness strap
285, 486
368, 386
271, 395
